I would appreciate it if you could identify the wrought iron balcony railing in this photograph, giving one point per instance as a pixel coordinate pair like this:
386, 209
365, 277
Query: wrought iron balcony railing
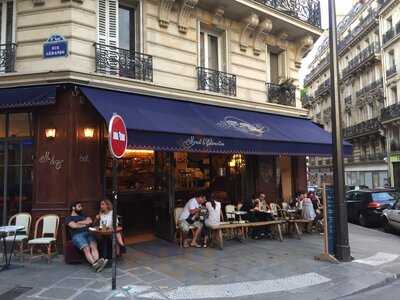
388, 35
362, 128
125, 63
324, 63
305, 10
359, 60
372, 157
364, 24
348, 101
216, 81
377, 84
323, 88
390, 112
391, 71
284, 94
306, 100
7, 57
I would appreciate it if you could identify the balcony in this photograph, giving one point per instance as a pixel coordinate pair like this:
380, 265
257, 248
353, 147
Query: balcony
364, 25
124, 63
361, 59
323, 88
324, 63
390, 112
372, 157
307, 100
391, 71
374, 89
305, 10
391, 33
7, 58
363, 128
216, 81
284, 94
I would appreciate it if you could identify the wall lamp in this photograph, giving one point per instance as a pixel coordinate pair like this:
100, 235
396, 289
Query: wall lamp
50, 133
88, 132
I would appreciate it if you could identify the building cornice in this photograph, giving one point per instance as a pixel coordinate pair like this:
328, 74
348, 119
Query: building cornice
145, 88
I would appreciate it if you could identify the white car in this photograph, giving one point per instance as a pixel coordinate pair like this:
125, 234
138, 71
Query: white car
391, 218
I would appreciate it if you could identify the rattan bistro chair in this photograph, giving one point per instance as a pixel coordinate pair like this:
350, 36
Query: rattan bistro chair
48, 237
21, 219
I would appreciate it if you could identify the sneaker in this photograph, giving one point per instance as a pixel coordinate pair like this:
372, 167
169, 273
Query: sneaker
102, 266
96, 265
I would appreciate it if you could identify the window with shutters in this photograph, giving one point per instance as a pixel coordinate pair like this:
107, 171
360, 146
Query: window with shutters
7, 35
118, 41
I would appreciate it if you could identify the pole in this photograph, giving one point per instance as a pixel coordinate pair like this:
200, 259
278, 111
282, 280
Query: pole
342, 233
114, 233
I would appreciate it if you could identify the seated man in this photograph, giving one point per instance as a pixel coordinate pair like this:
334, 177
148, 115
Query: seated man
190, 217
78, 224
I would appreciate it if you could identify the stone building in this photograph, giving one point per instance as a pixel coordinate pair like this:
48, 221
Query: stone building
361, 93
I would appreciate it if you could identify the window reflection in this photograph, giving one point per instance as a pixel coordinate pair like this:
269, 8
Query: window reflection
19, 125
2, 126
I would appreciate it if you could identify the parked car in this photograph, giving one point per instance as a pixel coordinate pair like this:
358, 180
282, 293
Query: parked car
356, 187
391, 218
365, 207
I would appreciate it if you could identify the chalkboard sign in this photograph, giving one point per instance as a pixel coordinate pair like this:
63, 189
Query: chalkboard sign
331, 218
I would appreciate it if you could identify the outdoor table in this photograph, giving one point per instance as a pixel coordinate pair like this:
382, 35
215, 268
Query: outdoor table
4, 232
104, 235
240, 214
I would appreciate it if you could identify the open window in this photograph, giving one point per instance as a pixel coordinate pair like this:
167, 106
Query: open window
212, 48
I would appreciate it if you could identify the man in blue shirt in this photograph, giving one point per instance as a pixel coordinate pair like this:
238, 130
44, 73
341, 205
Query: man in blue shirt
78, 224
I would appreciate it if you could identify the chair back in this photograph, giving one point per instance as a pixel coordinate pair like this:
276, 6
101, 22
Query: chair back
239, 206
177, 214
22, 219
274, 208
49, 225
229, 211
285, 205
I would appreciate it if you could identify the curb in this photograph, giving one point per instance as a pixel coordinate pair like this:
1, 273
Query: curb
390, 279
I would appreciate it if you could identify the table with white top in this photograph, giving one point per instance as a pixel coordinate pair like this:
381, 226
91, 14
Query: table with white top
6, 231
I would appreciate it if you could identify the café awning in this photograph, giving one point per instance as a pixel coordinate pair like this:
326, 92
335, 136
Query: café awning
172, 125
19, 97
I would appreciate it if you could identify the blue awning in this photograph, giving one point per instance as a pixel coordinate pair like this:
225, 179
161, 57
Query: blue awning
27, 96
171, 125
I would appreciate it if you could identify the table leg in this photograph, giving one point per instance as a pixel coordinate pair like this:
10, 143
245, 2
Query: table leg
279, 232
220, 239
298, 232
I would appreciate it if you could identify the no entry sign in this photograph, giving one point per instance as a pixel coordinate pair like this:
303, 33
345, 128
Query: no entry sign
117, 136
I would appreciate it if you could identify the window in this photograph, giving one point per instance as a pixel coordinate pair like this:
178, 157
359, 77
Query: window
277, 65
117, 24
393, 91
389, 23
212, 49
348, 119
370, 109
391, 58
7, 21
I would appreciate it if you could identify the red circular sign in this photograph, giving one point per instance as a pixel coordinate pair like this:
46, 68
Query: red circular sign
117, 136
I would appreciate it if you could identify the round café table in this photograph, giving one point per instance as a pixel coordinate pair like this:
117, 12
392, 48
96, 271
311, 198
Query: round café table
104, 236
5, 231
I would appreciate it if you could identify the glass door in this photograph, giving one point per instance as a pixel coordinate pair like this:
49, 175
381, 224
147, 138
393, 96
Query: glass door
16, 165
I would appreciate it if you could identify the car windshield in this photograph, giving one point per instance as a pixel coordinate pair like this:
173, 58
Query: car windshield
384, 196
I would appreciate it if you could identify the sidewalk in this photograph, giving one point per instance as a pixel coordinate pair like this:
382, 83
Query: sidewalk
251, 270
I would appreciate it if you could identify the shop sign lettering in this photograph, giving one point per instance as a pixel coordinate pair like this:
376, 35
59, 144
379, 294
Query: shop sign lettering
237, 124
193, 142
51, 160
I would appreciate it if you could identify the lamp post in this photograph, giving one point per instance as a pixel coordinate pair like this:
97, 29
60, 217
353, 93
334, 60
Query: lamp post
342, 250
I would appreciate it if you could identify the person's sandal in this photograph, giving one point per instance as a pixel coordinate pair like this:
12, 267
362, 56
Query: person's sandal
205, 246
195, 246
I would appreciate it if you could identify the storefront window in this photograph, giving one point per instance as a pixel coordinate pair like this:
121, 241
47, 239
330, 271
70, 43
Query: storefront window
192, 171
19, 125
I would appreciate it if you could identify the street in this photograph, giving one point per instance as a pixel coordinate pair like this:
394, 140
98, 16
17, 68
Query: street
390, 291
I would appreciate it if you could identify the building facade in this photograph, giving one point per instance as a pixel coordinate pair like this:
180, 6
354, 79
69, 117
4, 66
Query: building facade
66, 64
362, 97
390, 34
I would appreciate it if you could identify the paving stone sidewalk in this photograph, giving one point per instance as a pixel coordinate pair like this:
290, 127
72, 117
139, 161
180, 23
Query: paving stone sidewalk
240, 271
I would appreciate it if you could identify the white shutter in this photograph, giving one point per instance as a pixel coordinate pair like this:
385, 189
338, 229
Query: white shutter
107, 22
113, 29
102, 22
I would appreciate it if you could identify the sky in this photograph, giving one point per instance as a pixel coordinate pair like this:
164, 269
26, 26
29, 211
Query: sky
342, 7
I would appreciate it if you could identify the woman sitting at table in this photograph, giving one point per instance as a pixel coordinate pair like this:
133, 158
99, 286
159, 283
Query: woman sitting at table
105, 218
213, 217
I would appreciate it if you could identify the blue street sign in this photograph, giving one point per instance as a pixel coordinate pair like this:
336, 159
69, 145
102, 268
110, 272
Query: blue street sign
55, 46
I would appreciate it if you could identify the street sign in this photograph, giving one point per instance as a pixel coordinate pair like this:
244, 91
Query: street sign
117, 136
55, 46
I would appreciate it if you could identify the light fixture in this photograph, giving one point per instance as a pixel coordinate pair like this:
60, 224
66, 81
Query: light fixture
139, 151
88, 132
50, 133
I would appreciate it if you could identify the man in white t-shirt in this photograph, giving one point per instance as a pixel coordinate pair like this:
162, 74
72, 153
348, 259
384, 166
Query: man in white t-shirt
189, 219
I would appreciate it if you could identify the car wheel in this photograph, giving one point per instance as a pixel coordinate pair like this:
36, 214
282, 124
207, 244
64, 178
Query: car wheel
362, 220
386, 225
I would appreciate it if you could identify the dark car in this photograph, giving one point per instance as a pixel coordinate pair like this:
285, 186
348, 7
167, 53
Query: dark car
365, 207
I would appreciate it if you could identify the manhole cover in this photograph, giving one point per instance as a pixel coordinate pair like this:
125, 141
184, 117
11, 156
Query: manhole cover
14, 293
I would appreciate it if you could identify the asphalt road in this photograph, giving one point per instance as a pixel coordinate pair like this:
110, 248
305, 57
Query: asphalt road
388, 292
